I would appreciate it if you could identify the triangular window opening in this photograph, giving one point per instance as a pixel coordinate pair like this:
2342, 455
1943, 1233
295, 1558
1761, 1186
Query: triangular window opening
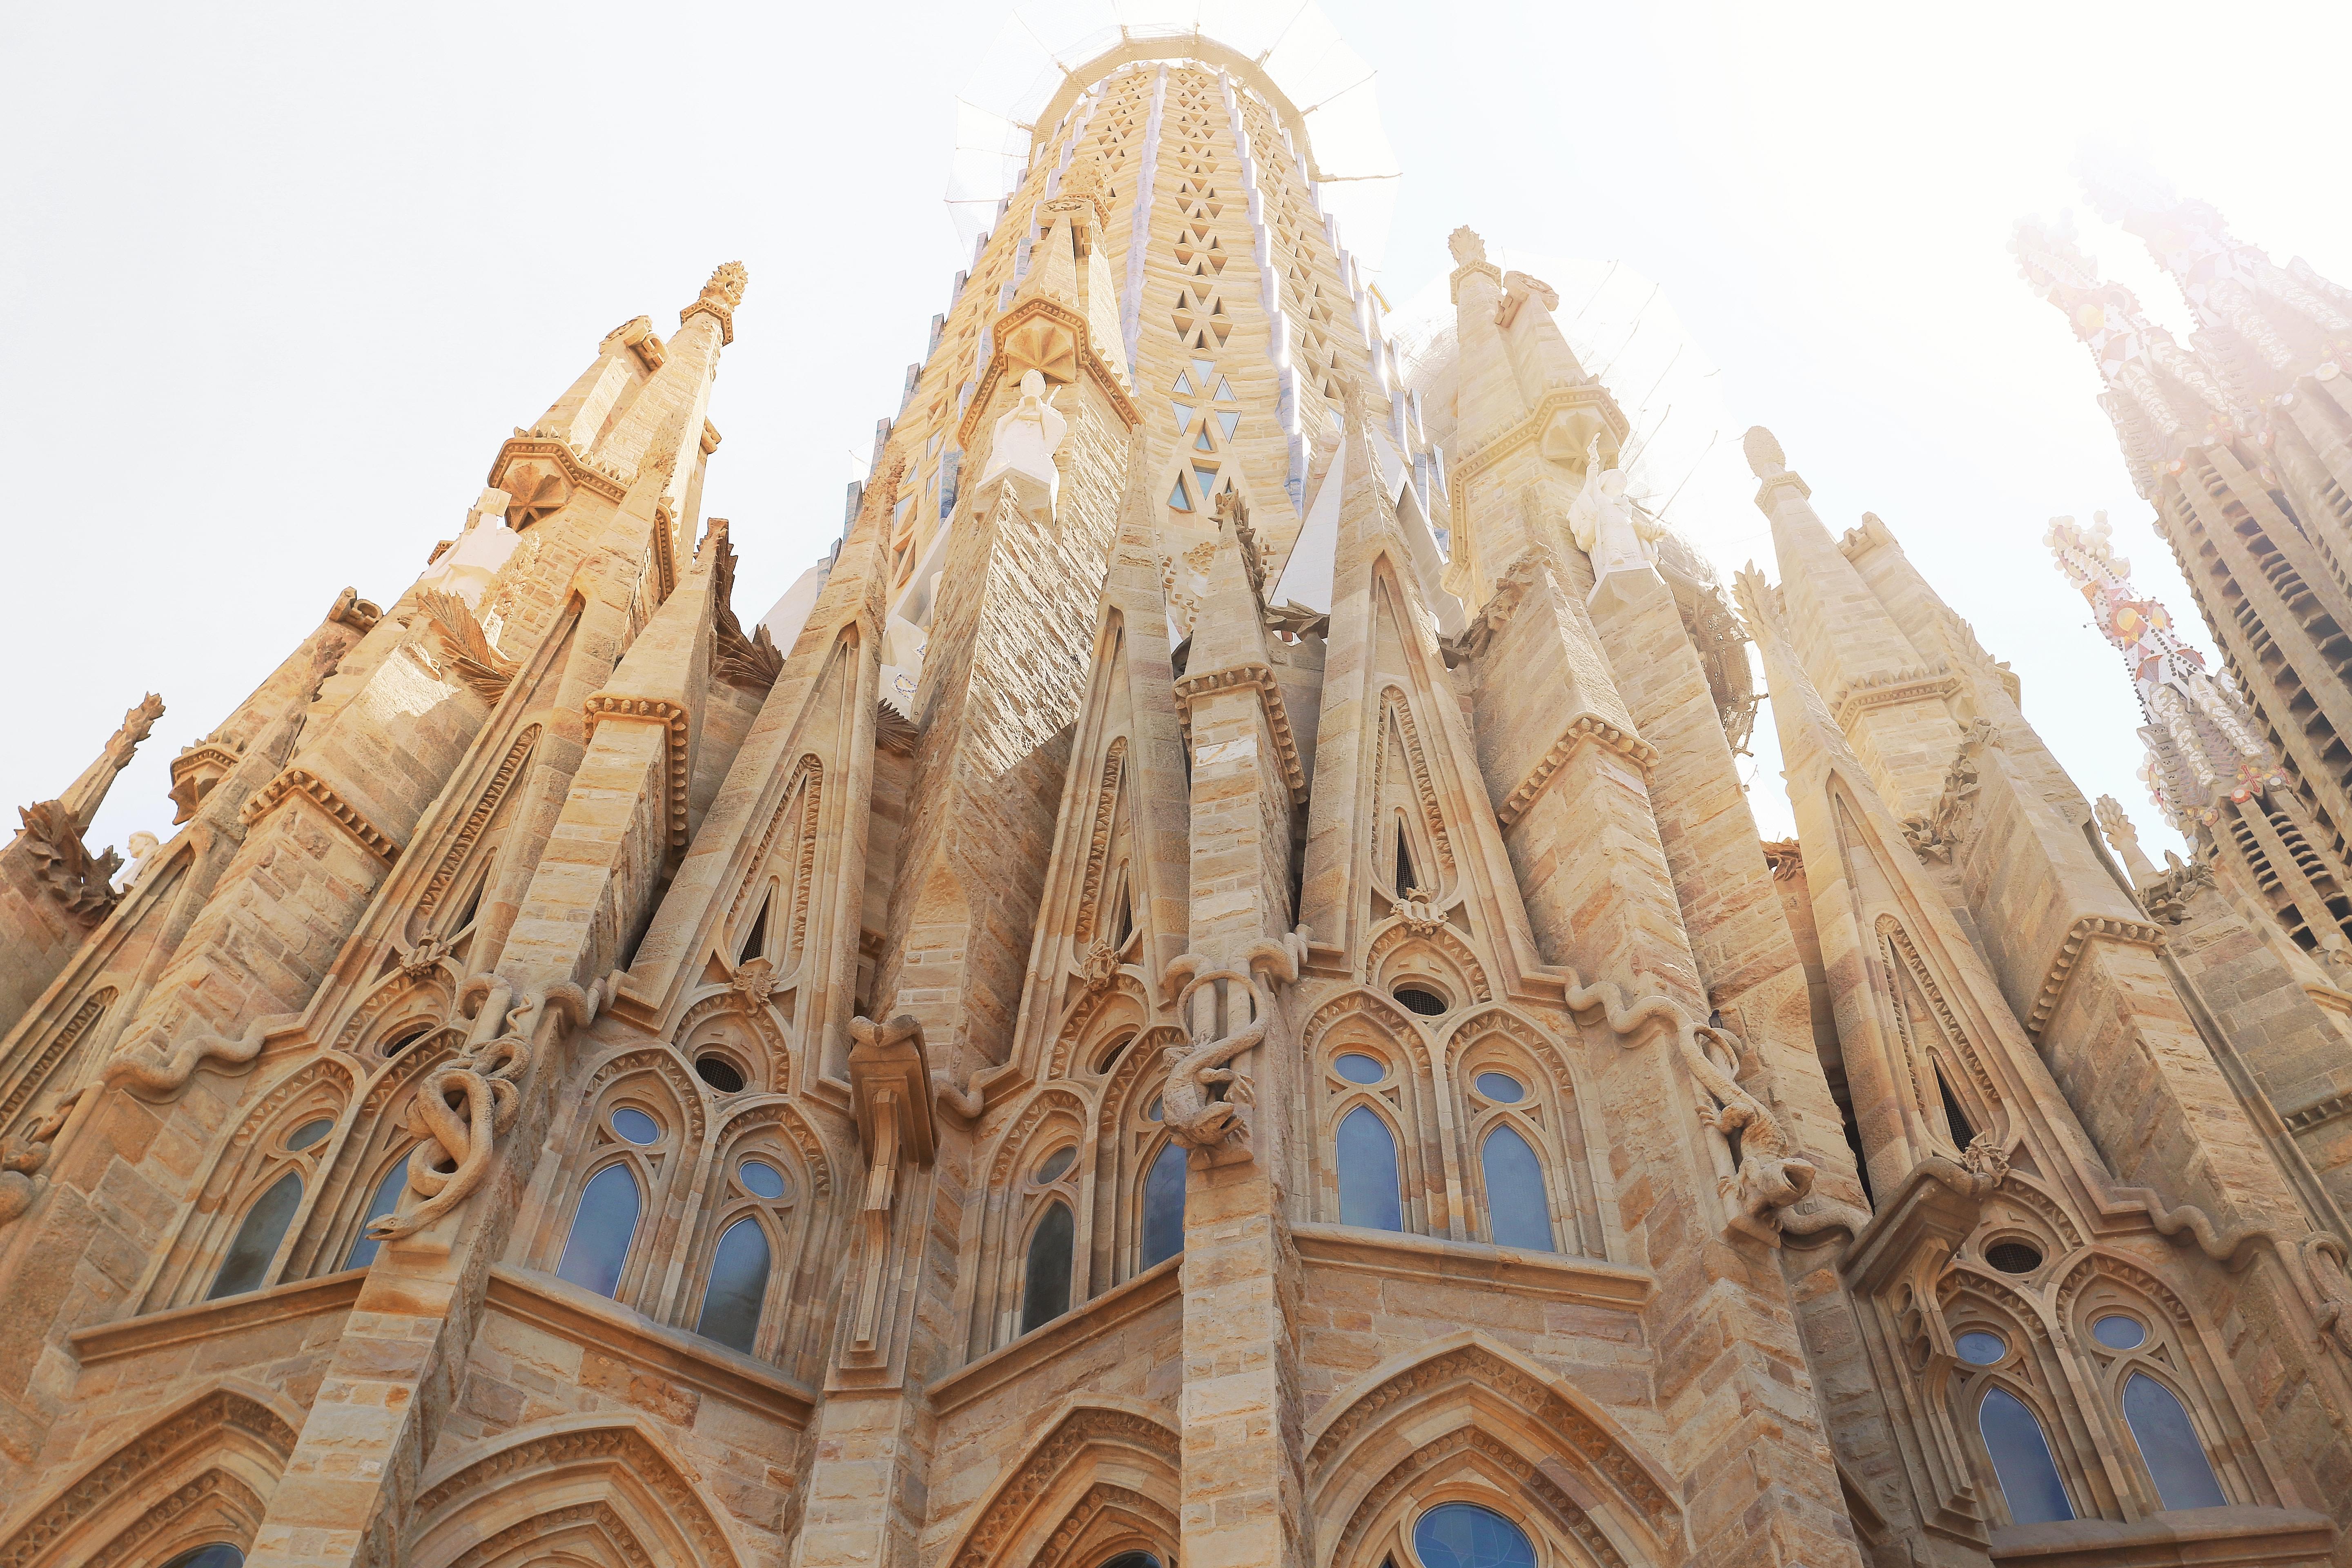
1184, 383
1201, 441
473, 905
1963, 1133
1206, 478
1184, 412
756, 945
1205, 369
1225, 391
1176, 497
1230, 421
1405, 880
1122, 913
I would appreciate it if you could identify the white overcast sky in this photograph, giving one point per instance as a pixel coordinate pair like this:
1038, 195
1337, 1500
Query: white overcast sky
279, 279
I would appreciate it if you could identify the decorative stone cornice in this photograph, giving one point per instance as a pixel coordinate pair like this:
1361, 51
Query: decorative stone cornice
1585, 727
309, 786
581, 474
1916, 684
1277, 717
2080, 935
672, 717
1054, 316
196, 770
1479, 268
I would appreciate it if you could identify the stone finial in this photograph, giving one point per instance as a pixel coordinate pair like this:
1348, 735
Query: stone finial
83, 797
1468, 248
727, 284
719, 299
1765, 458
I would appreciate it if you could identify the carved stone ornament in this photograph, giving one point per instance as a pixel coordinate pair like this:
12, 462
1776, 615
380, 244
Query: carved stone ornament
1195, 1112
2167, 896
890, 1090
461, 1107
469, 659
1938, 833
79, 880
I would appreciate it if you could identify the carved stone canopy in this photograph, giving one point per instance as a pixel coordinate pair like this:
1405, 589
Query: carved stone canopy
890, 1082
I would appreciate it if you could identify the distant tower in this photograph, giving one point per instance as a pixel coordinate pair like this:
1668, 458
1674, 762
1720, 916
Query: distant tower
2243, 442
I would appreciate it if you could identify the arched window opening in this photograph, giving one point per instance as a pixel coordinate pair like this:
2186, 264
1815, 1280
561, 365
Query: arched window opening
386, 1198
1369, 1195
738, 1286
1518, 1212
219, 1554
2168, 1443
404, 1039
1405, 880
473, 903
602, 1228
1955, 1117
2020, 1459
1045, 1282
246, 1266
756, 943
1133, 1560
1164, 1206
1463, 1535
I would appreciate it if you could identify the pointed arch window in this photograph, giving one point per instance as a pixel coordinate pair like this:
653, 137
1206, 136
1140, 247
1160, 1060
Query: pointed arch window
1163, 1206
1518, 1213
1046, 1280
1955, 1116
738, 1289
2169, 1445
219, 1554
602, 1228
2029, 1476
755, 944
1464, 1535
381, 1201
1369, 1188
246, 1266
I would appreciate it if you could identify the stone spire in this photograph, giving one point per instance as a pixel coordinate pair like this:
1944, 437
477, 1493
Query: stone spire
86, 794
2274, 321
2204, 745
2163, 398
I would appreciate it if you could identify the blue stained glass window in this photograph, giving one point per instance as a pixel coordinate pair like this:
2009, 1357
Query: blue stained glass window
247, 1267
1057, 1162
1046, 1284
636, 1126
309, 1132
1500, 1088
1164, 1206
1517, 1209
219, 1554
738, 1286
1463, 1535
1357, 1067
1978, 1348
2168, 1441
1368, 1172
602, 1228
1133, 1560
2020, 1459
385, 1199
761, 1179
2119, 1333
1176, 498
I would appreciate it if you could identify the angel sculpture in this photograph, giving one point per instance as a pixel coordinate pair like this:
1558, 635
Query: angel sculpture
1617, 534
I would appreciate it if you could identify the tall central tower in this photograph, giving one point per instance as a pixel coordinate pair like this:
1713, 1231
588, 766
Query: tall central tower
1211, 997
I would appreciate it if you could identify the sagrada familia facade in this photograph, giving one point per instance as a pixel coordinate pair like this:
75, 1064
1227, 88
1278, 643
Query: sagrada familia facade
1205, 991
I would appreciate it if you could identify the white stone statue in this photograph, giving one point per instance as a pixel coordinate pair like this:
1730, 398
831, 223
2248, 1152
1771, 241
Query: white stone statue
469, 567
1027, 435
1618, 535
142, 846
